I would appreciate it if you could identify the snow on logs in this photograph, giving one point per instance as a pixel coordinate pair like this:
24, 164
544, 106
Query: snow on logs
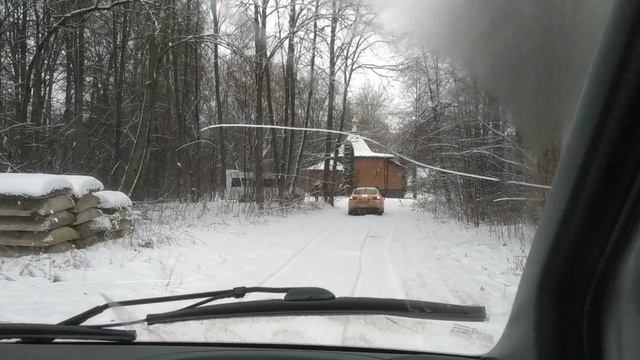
43, 210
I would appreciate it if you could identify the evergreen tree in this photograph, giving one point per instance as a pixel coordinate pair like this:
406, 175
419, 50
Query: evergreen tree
349, 164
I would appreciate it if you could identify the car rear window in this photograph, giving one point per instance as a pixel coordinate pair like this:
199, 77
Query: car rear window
365, 191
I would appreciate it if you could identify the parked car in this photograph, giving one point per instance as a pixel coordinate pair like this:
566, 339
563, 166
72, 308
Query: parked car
366, 200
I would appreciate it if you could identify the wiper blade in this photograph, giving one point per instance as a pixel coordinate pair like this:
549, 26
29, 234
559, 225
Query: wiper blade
49, 332
337, 306
296, 302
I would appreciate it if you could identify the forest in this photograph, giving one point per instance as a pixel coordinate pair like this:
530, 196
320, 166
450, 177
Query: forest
121, 90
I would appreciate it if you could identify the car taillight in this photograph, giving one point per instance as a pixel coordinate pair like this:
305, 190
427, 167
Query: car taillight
377, 197
352, 197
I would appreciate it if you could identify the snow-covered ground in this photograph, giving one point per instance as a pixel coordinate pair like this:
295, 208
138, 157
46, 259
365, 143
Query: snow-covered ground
402, 254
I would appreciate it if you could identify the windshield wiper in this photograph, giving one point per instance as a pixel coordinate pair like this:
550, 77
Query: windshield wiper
298, 301
48, 332
238, 292
301, 303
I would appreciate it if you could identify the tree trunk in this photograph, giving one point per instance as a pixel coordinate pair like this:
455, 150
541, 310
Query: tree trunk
222, 181
177, 108
307, 110
139, 150
277, 160
260, 47
274, 133
348, 72
285, 138
291, 80
38, 97
80, 128
68, 92
21, 78
327, 188
117, 158
196, 120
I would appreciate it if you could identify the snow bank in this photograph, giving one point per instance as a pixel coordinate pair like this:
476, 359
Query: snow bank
82, 185
32, 185
113, 199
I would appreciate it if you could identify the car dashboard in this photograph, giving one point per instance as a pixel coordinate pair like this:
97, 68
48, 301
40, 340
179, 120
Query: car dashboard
139, 351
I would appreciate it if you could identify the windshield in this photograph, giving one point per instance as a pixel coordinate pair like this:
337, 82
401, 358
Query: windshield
162, 148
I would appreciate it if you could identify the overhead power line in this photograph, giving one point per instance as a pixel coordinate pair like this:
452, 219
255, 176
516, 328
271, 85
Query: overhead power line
399, 155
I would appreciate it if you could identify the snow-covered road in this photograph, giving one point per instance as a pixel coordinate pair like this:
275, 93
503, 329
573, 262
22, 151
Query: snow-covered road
402, 254
354, 249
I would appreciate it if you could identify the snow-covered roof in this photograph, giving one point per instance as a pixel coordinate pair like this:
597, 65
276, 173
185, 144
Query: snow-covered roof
32, 185
112, 199
320, 166
82, 185
361, 148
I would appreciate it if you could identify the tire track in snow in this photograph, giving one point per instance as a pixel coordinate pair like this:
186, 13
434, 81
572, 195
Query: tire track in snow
359, 272
347, 320
374, 257
391, 269
438, 273
295, 255
379, 258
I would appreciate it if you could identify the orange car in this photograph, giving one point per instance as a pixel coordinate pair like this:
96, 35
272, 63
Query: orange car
366, 200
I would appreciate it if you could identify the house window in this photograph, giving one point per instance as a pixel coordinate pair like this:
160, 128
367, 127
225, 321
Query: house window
377, 173
235, 182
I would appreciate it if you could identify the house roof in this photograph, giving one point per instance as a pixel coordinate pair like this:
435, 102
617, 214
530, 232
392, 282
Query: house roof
361, 148
320, 166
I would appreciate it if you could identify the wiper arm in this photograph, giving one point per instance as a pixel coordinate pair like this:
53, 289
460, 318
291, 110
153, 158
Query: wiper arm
302, 302
238, 292
71, 328
48, 332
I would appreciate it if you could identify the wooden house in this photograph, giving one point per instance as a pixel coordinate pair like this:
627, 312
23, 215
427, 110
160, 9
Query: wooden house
381, 170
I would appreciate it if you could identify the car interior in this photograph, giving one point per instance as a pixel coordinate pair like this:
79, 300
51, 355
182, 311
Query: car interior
579, 296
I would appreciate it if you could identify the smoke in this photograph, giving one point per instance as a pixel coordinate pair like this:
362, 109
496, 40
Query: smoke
533, 55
